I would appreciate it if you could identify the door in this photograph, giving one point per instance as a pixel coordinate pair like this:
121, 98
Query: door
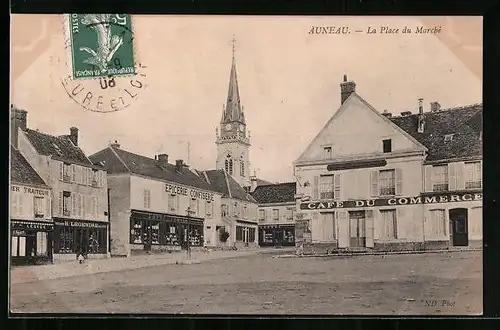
357, 229
459, 231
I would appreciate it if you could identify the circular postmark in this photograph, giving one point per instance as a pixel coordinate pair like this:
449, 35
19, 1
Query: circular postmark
101, 72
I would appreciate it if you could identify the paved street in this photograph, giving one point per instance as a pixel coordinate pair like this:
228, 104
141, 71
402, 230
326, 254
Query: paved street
434, 283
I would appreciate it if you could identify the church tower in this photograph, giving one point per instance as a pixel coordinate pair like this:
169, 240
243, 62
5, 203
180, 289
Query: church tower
233, 142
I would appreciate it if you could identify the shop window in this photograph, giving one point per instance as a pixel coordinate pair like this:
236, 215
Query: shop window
251, 234
387, 181
437, 226
473, 175
64, 240
171, 234
289, 236
267, 236
41, 244
389, 224
440, 179
387, 145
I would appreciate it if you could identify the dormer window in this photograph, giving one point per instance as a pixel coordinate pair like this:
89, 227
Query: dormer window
448, 137
327, 152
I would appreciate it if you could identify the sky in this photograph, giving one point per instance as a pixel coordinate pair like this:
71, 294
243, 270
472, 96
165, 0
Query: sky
289, 80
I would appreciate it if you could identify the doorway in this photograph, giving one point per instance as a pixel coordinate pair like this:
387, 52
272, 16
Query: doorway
357, 229
459, 225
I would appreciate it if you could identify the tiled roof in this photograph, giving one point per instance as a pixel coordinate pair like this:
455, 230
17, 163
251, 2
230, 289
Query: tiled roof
60, 147
21, 171
465, 123
261, 182
118, 160
221, 182
275, 193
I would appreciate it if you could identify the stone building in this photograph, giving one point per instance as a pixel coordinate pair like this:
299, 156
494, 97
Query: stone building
155, 204
31, 223
276, 217
78, 189
373, 180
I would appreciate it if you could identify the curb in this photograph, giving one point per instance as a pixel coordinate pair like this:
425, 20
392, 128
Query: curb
347, 254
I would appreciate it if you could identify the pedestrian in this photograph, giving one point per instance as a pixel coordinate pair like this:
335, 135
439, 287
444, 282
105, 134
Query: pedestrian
81, 258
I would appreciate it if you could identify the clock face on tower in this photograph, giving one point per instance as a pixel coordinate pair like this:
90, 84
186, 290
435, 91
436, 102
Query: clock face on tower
242, 128
228, 127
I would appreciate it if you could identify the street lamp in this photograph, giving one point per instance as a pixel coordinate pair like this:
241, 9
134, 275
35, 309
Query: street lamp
188, 247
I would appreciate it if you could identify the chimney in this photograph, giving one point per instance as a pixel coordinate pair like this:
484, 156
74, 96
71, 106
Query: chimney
346, 89
435, 106
73, 135
405, 113
421, 117
253, 183
386, 114
115, 144
18, 119
179, 164
163, 160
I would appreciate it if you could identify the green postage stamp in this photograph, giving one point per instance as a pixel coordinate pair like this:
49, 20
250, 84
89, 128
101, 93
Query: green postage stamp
101, 45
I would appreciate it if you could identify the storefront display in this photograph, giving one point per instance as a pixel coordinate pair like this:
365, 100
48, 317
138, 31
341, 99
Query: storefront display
277, 235
86, 237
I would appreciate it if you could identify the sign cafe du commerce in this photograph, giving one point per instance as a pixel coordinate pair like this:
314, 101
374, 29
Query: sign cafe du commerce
443, 198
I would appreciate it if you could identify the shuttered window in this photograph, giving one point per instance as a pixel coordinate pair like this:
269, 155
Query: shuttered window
440, 178
437, 225
473, 175
387, 182
327, 187
262, 215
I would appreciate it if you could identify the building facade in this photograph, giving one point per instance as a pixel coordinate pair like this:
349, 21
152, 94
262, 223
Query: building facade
155, 205
31, 223
238, 212
277, 211
370, 180
78, 189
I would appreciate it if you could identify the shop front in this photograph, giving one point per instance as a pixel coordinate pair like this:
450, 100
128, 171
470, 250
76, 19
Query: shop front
73, 237
156, 231
277, 235
31, 242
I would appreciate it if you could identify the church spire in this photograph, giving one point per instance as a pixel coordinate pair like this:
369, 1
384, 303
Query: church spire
233, 111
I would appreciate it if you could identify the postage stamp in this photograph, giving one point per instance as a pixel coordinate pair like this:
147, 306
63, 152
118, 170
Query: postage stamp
101, 45
101, 71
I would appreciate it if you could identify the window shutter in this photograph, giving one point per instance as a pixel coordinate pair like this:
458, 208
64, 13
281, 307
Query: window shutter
13, 209
98, 207
316, 188
60, 203
459, 172
452, 177
374, 183
338, 186
73, 173
399, 181
342, 229
316, 230
47, 207
73, 204
369, 228
481, 173
84, 206
400, 214
428, 178
61, 171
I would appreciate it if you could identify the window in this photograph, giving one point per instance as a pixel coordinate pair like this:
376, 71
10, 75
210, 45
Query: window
437, 226
84, 175
229, 165
147, 198
327, 152
209, 209
239, 233
242, 167
77, 239
93, 206
387, 145
473, 177
289, 214
67, 172
18, 247
387, 180
448, 137
236, 210
95, 178
224, 210
73, 173
172, 205
440, 180
193, 205
327, 187
16, 204
389, 229
251, 234
66, 203
38, 203
276, 215
245, 211
262, 215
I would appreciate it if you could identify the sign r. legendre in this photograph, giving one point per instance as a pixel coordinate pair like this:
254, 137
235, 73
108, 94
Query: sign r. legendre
184, 191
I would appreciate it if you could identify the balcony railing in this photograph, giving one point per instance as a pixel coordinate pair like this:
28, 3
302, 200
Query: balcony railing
440, 187
327, 195
387, 191
473, 184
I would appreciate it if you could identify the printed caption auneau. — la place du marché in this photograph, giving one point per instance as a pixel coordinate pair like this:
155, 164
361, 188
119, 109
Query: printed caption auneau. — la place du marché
383, 29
